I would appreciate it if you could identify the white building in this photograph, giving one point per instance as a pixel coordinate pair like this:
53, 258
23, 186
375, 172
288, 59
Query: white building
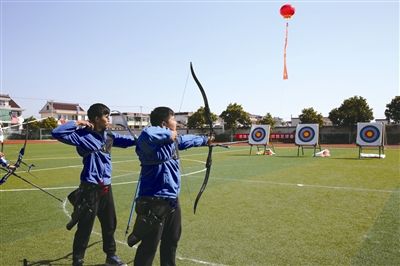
10, 111
134, 120
62, 111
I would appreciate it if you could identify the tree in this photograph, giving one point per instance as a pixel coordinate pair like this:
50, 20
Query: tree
309, 115
234, 116
352, 110
198, 119
392, 111
32, 125
48, 123
268, 120
335, 117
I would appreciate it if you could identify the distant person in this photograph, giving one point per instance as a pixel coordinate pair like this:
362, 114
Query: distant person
94, 196
157, 205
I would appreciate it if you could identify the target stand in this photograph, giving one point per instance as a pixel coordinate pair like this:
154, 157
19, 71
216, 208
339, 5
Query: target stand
315, 147
259, 137
371, 135
307, 136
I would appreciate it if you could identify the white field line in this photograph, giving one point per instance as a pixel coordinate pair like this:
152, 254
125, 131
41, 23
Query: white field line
75, 157
69, 166
113, 184
311, 186
61, 188
124, 161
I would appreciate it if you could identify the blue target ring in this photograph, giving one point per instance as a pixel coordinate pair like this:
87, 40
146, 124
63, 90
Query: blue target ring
306, 134
370, 134
258, 134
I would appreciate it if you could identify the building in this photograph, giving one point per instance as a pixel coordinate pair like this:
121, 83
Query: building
382, 120
62, 111
294, 121
137, 120
254, 119
134, 120
10, 111
182, 119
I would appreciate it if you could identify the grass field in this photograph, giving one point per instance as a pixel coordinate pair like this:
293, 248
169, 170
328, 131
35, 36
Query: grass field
256, 210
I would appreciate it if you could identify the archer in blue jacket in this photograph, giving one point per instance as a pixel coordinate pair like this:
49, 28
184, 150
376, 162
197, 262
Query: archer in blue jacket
94, 195
157, 206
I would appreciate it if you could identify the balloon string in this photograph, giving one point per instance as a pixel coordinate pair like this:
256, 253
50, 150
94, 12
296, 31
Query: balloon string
285, 74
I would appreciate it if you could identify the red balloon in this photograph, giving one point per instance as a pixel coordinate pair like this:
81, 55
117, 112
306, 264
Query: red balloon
287, 11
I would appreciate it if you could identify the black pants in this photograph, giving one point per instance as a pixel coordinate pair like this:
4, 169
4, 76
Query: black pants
169, 235
102, 206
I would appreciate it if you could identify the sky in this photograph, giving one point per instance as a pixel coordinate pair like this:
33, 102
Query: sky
135, 55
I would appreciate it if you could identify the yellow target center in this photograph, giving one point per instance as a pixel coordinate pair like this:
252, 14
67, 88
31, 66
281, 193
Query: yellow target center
306, 134
369, 134
258, 134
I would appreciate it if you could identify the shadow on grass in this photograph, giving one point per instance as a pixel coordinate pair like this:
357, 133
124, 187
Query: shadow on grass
64, 260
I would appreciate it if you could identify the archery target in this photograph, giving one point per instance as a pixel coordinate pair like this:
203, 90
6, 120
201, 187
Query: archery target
369, 134
259, 134
307, 134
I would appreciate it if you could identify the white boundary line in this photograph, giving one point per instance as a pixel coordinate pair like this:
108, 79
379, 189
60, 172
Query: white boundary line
69, 187
76, 157
305, 185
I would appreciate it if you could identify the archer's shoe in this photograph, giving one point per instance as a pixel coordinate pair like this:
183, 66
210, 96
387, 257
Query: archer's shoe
114, 261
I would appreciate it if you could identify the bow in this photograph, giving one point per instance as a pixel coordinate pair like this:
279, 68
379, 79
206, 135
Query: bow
207, 114
17, 164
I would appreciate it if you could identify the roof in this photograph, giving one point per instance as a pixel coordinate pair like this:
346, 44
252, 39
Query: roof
66, 106
11, 102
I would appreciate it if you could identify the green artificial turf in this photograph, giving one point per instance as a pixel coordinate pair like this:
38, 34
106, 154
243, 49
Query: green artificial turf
256, 210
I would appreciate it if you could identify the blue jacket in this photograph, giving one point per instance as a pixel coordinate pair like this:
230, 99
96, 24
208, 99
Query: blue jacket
95, 149
160, 173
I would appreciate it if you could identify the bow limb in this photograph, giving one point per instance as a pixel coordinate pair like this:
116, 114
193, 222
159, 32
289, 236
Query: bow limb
18, 161
6, 176
22, 151
207, 114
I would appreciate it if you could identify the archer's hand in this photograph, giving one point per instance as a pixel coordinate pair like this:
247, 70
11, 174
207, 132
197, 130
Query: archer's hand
174, 134
84, 123
210, 140
11, 167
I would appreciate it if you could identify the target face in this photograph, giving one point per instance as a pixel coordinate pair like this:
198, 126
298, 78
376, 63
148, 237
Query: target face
259, 134
307, 134
369, 134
